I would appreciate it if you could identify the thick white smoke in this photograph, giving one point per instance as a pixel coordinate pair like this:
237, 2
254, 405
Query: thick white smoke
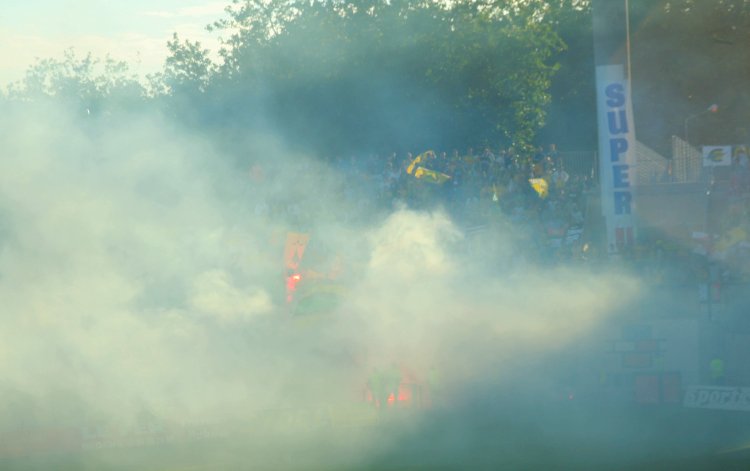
141, 273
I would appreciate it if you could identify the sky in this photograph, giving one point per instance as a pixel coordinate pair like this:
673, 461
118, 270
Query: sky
133, 30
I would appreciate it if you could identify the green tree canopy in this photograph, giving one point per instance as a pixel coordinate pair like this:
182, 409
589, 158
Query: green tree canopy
346, 75
84, 82
188, 67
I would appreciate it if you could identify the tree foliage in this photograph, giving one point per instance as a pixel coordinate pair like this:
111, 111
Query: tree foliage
338, 75
571, 115
188, 67
86, 82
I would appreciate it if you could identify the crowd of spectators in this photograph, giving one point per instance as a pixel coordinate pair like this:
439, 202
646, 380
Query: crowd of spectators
481, 189
494, 185
492, 196
494, 190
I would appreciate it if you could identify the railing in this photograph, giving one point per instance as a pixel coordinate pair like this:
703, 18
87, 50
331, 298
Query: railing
580, 163
651, 166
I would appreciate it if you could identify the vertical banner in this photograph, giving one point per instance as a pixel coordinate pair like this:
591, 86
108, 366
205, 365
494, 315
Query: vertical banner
617, 157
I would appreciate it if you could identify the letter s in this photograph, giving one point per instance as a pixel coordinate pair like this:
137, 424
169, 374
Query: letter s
616, 95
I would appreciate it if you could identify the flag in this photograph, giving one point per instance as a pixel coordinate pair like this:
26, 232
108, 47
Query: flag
540, 186
430, 176
419, 159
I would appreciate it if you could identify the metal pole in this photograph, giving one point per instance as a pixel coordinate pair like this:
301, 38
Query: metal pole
627, 38
710, 248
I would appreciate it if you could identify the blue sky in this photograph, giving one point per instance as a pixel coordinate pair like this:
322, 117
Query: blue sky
131, 30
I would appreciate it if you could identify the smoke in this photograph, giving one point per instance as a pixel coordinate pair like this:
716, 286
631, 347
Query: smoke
142, 281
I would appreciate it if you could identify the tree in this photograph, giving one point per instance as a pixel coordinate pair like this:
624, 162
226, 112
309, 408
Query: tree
87, 83
188, 67
571, 121
340, 76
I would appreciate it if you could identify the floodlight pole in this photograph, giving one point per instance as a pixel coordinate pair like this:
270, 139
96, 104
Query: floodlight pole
627, 40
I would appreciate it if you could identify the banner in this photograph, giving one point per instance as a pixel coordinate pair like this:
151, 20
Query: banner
714, 156
430, 176
617, 157
718, 397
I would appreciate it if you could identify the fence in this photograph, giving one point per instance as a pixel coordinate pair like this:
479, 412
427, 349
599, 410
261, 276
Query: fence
651, 167
580, 163
688, 162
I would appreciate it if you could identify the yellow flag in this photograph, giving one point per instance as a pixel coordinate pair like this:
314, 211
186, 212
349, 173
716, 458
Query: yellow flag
431, 176
419, 159
540, 186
